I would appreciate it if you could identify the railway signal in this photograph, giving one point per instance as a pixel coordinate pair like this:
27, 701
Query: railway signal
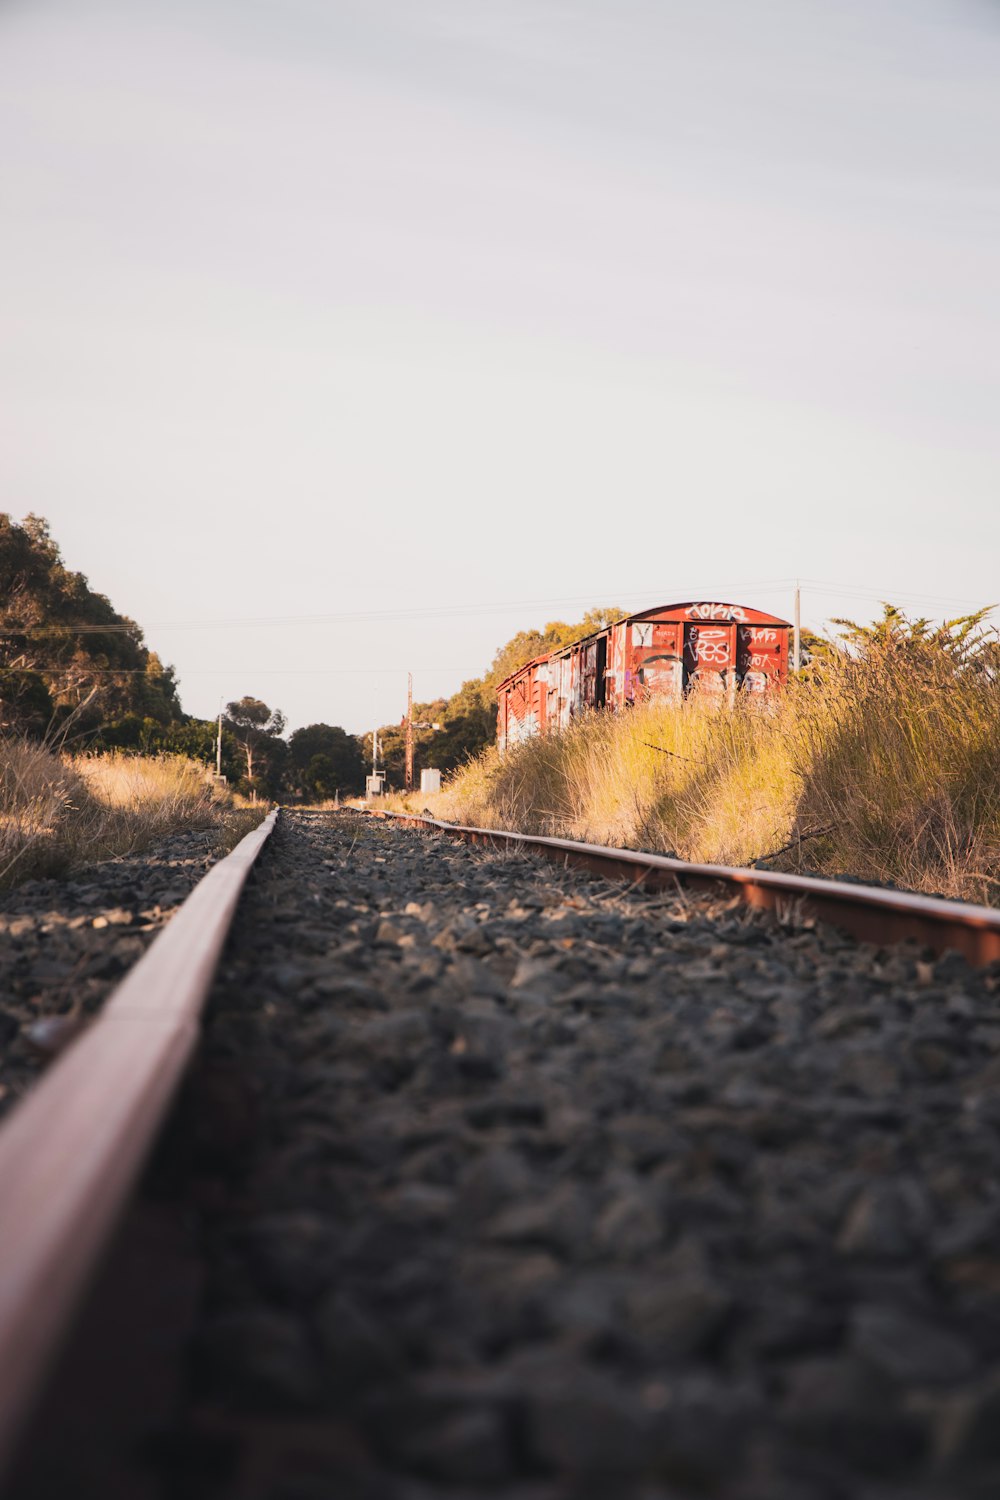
375, 783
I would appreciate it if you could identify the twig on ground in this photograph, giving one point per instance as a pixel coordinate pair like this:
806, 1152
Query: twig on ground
664, 751
801, 838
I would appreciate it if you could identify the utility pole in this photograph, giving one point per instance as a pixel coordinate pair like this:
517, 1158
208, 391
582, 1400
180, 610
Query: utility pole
409, 731
797, 635
374, 752
218, 745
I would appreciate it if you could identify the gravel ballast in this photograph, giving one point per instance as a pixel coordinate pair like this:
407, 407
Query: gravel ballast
65, 944
509, 1182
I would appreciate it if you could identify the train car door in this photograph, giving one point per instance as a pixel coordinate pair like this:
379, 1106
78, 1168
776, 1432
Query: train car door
761, 657
601, 669
593, 665
709, 656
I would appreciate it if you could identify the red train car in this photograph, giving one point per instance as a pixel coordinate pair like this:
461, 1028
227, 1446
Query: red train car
672, 650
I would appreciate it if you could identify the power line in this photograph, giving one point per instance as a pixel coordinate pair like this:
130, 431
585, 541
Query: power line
85, 672
422, 612
445, 611
814, 586
859, 591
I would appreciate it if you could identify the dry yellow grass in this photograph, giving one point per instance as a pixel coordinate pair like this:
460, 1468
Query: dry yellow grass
58, 813
882, 765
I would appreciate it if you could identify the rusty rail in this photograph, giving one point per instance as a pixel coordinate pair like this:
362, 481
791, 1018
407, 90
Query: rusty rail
869, 913
72, 1149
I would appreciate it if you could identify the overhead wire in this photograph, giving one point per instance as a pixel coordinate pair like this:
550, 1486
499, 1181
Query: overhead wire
443, 611
859, 591
825, 588
86, 671
395, 613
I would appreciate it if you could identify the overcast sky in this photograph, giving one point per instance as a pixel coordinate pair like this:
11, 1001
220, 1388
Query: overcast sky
339, 337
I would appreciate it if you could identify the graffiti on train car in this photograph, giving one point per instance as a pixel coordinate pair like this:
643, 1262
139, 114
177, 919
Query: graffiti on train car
715, 612
703, 647
710, 648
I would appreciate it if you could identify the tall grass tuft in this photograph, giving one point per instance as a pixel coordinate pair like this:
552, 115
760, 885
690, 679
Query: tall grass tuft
57, 814
899, 752
881, 762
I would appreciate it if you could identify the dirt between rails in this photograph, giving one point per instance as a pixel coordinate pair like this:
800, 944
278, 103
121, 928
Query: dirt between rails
511, 1183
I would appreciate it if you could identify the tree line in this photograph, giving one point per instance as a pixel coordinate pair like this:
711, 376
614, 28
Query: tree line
76, 672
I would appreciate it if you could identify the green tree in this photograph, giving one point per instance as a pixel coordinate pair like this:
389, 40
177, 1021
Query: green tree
528, 644
91, 661
257, 730
320, 777
26, 705
469, 720
324, 759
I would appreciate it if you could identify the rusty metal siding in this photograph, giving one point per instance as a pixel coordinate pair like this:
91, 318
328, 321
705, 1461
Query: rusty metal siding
616, 670
552, 674
522, 705
566, 690
654, 666
539, 696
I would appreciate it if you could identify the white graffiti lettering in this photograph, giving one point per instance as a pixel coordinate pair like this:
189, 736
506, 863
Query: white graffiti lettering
715, 612
749, 635
711, 653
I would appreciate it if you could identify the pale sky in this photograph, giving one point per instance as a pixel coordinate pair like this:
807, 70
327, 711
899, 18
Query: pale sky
342, 337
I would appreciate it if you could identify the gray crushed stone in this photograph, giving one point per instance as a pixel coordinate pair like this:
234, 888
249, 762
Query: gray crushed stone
514, 1183
64, 944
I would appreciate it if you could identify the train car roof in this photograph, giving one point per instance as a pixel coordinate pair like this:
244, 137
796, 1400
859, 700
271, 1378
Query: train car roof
707, 610
688, 611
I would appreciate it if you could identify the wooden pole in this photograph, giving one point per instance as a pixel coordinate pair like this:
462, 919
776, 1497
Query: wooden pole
409, 731
797, 632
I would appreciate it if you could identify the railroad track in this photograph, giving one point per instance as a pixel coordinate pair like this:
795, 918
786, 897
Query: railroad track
493, 1178
869, 913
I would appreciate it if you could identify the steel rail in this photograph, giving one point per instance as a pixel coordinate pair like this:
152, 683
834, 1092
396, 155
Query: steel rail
870, 913
72, 1149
